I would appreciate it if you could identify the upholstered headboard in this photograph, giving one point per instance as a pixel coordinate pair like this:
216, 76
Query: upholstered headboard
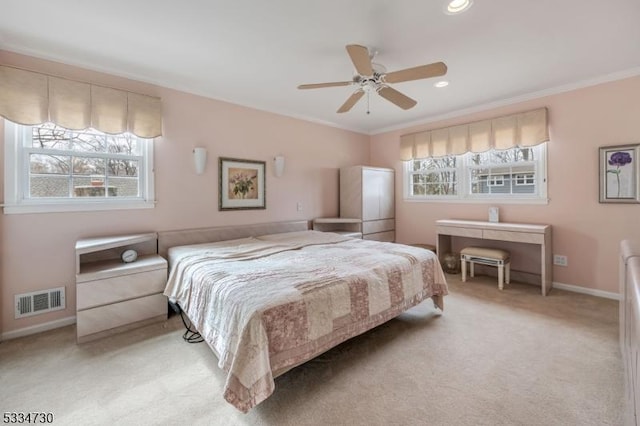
167, 239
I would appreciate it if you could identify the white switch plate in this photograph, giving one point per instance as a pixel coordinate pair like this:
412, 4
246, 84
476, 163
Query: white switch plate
494, 214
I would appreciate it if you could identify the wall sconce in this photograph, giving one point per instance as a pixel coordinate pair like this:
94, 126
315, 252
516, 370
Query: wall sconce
200, 159
278, 165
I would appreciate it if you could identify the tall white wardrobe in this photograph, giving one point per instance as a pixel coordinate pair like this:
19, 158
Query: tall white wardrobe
367, 193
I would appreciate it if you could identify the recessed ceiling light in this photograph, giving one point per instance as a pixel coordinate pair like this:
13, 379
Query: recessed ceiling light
457, 6
442, 83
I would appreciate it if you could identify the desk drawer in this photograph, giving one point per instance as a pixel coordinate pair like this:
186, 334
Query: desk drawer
460, 232
518, 237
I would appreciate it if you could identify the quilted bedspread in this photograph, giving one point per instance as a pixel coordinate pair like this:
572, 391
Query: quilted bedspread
267, 304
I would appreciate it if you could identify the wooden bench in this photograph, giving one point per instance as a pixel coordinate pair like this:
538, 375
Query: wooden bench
486, 256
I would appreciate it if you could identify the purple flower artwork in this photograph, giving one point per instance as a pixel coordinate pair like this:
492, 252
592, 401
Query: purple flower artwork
618, 160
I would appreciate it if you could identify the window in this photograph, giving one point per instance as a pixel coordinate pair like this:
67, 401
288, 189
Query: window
495, 180
524, 179
510, 175
50, 168
434, 176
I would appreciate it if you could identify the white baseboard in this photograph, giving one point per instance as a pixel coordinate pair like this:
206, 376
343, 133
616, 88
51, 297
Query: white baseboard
584, 290
27, 331
529, 278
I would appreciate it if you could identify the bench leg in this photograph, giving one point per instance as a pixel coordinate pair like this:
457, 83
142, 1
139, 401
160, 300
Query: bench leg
500, 277
508, 273
464, 269
472, 269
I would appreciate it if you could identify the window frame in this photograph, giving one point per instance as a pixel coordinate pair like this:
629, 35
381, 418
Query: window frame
464, 181
16, 180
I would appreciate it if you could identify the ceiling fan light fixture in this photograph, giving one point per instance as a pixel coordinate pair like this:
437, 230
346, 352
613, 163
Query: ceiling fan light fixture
457, 6
369, 85
441, 83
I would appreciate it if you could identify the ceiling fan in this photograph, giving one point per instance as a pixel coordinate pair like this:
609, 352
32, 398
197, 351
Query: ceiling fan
371, 77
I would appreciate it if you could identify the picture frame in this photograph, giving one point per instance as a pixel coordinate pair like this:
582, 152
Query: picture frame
620, 174
242, 184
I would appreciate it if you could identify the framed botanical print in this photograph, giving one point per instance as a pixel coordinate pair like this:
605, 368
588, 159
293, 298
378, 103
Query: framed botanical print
620, 174
242, 184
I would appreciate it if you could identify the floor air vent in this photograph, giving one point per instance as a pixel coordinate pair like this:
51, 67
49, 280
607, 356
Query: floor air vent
39, 302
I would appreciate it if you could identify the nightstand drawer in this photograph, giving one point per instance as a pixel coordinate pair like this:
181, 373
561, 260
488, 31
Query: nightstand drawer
106, 317
102, 292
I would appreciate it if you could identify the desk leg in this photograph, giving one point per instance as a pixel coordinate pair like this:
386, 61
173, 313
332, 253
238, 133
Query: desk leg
546, 265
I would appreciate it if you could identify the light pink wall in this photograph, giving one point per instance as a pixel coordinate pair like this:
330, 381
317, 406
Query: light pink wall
584, 230
38, 249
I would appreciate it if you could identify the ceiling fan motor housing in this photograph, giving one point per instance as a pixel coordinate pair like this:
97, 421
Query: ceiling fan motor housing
372, 82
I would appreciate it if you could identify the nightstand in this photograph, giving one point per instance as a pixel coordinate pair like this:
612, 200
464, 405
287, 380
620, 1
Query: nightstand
113, 296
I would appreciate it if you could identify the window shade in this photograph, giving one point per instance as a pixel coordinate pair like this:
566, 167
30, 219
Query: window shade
522, 129
31, 98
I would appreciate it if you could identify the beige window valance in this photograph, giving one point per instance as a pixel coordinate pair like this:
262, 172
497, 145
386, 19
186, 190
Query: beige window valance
523, 129
31, 98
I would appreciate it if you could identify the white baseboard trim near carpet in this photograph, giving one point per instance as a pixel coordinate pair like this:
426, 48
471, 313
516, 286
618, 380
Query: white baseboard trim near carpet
584, 290
534, 279
27, 331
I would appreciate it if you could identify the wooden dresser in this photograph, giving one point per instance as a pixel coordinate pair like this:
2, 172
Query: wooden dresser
367, 193
113, 296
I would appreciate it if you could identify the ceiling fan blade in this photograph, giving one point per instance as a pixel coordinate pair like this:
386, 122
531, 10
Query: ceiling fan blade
360, 58
393, 96
355, 97
424, 71
320, 85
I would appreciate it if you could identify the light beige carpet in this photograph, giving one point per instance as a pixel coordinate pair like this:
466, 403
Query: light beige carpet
492, 358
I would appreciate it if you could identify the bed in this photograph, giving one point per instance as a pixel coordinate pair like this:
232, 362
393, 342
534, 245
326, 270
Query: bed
269, 297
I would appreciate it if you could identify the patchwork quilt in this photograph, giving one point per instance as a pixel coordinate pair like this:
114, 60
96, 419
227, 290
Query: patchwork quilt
267, 304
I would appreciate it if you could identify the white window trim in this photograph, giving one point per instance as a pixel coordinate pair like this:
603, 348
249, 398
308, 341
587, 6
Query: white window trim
464, 198
14, 185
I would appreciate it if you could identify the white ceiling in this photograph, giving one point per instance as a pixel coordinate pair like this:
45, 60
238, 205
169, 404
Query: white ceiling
255, 52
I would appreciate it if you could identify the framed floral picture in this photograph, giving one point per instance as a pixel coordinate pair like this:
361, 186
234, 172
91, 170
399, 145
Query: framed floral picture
620, 174
242, 184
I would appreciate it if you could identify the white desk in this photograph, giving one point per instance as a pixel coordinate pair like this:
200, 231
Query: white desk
501, 231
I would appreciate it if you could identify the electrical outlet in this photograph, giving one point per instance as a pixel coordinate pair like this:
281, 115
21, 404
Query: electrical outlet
560, 260
299, 206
